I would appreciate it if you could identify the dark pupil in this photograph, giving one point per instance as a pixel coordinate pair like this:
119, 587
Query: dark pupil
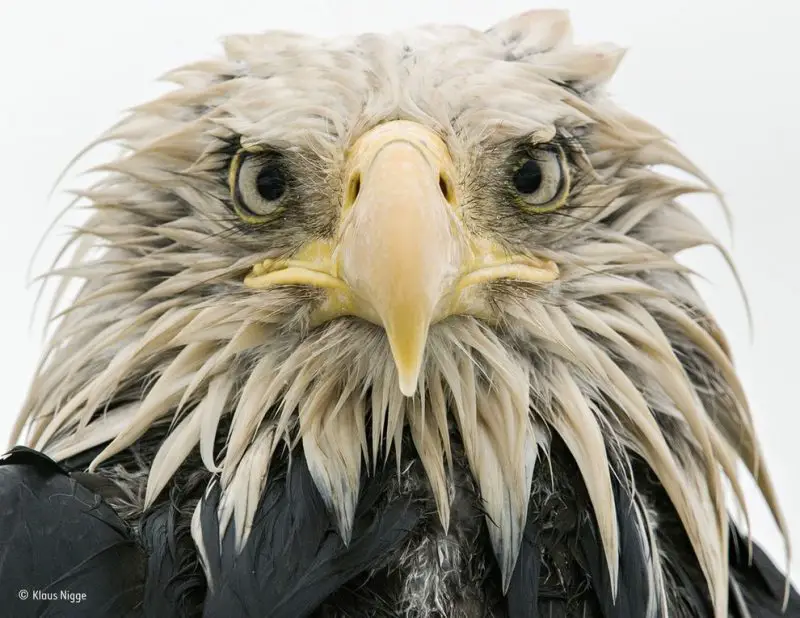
271, 182
528, 177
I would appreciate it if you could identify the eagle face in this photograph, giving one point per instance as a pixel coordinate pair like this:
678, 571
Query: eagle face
444, 232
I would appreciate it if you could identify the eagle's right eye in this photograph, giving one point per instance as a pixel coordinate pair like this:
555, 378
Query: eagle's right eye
259, 183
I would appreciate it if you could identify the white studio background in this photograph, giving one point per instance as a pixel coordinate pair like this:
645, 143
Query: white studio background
719, 76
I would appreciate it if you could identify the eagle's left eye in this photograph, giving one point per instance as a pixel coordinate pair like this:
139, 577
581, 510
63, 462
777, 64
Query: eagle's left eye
541, 180
259, 183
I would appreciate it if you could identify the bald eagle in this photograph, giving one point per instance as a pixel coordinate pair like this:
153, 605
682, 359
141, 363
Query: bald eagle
388, 325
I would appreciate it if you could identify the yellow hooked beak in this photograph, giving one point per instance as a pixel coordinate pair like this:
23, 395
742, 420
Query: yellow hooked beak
402, 257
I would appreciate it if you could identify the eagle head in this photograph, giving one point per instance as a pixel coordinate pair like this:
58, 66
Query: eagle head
443, 233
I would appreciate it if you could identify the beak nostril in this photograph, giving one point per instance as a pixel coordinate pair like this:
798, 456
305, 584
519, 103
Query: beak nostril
445, 188
354, 188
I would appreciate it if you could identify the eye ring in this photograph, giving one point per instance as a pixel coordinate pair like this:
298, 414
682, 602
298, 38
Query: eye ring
541, 181
259, 184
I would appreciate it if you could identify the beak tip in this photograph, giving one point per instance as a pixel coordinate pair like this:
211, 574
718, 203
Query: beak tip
408, 349
408, 384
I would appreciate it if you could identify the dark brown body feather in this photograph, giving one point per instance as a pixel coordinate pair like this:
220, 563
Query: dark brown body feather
400, 562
